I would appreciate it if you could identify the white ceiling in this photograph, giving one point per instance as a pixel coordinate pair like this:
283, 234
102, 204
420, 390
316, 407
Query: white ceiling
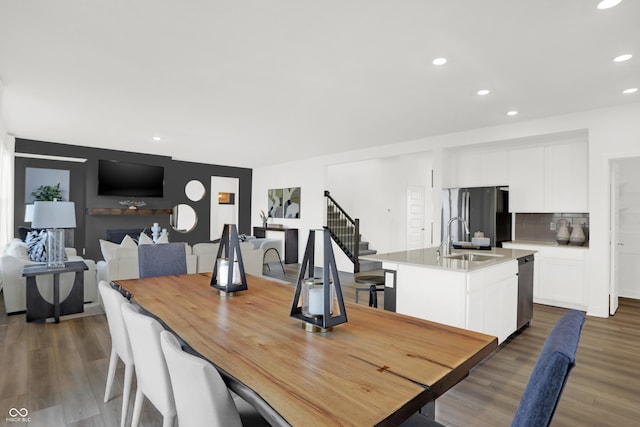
251, 82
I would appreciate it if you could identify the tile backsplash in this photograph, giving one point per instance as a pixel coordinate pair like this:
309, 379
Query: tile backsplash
543, 227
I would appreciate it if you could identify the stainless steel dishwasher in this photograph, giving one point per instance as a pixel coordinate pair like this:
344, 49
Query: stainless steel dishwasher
525, 290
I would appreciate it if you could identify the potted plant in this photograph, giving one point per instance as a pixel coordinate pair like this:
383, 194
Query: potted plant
48, 193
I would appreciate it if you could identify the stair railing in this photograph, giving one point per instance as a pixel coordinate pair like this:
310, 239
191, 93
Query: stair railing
344, 230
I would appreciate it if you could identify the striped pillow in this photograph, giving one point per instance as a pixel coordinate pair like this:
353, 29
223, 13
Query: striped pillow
37, 245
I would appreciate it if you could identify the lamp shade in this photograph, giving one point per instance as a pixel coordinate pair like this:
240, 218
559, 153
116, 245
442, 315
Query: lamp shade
54, 215
28, 213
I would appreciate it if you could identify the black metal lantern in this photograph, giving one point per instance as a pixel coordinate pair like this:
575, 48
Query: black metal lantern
318, 301
228, 269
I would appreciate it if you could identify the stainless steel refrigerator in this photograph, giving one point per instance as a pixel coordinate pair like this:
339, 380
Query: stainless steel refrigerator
485, 209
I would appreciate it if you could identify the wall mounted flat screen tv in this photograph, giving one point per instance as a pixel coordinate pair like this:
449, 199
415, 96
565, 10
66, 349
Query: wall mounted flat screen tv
129, 179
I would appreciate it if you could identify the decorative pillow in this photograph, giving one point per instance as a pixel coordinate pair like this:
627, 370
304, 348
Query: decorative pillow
163, 239
36, 245
128, 242
17, 248
144, 239
108, 249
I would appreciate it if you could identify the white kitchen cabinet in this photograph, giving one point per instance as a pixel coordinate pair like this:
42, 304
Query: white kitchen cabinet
566, 175
432, 294
526, 179
549, 178
483, 300
492, 300
558, 276
479, 168
562, 280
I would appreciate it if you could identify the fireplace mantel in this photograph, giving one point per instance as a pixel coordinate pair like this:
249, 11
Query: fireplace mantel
126, 211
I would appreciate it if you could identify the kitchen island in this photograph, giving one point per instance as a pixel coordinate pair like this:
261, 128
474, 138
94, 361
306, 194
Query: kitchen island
470, 289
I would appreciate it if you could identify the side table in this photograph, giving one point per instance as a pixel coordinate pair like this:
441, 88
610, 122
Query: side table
38, 308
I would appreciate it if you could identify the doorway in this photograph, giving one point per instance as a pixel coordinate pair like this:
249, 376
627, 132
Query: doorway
224, 208
415, 217
625, 230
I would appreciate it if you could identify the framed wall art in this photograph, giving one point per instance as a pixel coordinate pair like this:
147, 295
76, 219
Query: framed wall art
284, 202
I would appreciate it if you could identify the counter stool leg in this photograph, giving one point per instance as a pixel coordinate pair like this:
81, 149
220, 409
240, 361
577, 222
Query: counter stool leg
373, 296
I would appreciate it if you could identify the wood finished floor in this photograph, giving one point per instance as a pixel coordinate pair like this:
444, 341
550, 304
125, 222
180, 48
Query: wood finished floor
58, 371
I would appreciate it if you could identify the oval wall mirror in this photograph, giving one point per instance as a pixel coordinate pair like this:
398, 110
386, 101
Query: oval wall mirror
184, 218
194, 190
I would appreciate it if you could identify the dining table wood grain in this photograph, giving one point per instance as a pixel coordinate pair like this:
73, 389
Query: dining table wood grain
378, 368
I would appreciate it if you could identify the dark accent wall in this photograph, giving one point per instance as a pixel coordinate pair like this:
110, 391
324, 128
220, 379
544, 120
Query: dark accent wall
84, 192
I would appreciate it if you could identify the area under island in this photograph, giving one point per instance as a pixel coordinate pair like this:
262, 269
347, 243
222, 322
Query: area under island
475, 290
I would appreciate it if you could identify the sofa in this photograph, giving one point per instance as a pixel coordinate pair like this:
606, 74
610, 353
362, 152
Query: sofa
14, 257
121, 260
207, 252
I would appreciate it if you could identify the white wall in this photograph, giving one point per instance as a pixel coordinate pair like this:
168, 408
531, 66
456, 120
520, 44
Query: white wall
376, 194
7, 149
613, 133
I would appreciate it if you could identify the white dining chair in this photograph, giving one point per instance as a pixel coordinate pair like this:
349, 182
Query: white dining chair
202, 398
151, 370
120, 346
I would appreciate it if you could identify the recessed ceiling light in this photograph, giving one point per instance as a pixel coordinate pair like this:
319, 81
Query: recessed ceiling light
622, 58
606, 4
512, 113
439, 61
483, 92
630, 90
157, 138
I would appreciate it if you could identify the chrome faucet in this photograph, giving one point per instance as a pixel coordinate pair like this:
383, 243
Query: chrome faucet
447, 243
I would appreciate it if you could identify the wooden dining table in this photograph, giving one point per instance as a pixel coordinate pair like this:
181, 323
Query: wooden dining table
378, 368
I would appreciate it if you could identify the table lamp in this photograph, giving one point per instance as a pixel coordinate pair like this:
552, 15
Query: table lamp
318, 301
28, 213
228, 269
55, 217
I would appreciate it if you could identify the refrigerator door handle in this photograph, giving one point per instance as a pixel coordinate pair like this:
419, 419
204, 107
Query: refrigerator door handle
467, 212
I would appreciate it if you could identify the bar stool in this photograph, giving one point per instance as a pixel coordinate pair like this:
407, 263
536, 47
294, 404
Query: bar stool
375, 284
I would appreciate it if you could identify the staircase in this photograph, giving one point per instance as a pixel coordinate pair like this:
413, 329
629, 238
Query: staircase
367, 265
345, 231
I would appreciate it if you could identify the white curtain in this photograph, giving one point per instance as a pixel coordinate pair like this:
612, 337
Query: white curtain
7, 153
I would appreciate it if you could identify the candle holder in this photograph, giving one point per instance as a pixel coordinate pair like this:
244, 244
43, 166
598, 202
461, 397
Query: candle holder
228, 269
318, 301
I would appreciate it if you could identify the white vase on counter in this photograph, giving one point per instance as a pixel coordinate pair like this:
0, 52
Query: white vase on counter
577, 236
563, 234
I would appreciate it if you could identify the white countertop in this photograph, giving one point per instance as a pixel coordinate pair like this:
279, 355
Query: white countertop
547, 244
427, 257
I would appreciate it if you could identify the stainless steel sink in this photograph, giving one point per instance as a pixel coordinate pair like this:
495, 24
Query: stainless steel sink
467, 256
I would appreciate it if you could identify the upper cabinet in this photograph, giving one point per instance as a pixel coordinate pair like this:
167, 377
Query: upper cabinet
526, 179
549, 178
544, 174
566, 177
478, 168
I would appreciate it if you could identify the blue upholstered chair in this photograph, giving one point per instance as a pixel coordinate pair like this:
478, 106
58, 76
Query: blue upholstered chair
549, 375
163, 259
547, 380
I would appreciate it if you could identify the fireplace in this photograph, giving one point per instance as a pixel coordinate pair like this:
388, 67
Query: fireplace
116, 235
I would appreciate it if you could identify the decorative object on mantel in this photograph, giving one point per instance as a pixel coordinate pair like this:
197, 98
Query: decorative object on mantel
562, 237
315, 298
159, 235
264, 218
577, 237
132, 204
228, 269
